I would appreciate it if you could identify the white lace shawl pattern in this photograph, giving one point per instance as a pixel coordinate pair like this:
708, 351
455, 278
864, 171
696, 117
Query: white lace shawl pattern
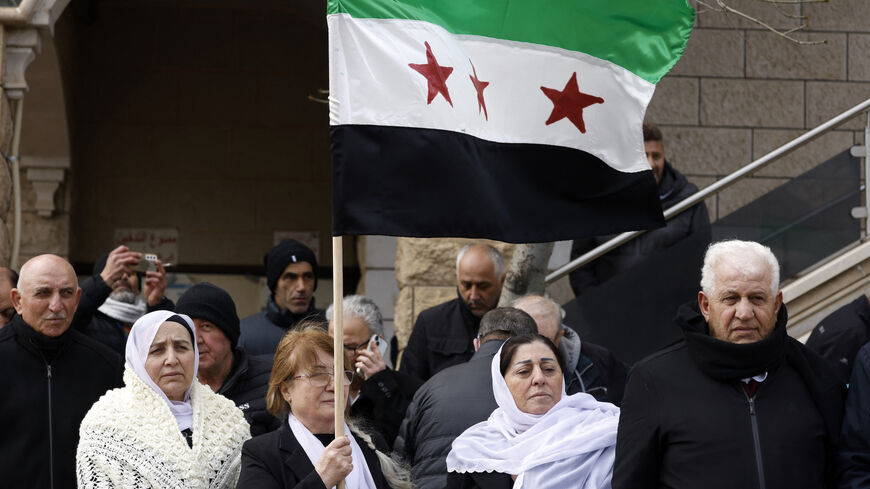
130, 439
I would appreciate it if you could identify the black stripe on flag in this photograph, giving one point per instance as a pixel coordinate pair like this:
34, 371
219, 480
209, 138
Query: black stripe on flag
414, 182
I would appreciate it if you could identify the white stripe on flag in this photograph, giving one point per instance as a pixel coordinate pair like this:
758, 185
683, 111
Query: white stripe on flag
372, 84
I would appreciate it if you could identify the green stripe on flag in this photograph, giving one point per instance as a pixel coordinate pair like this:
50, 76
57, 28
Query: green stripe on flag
646, 37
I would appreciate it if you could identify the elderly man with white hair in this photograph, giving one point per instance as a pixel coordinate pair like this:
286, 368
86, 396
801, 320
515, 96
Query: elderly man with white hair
378, 393
737, 403
589, 368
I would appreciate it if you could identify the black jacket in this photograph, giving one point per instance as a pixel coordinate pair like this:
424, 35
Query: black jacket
479, 480
838, 336
48, 385
94, 324
853, 457
444, 407
687, 422
262, 331
672, 189
442, 336
277, 461
591, 368
383, 401
246, 385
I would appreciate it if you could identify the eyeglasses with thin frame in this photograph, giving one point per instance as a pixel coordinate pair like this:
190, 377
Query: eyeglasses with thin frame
352, 348
321, 379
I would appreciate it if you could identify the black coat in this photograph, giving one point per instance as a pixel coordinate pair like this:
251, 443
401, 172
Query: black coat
672, 189
383, 401
479, 480
591, 368
94, 324
442, 336
277, 461
47, 386
838, 336
262, 331
445, 406
686, 421
853, 456
246, 386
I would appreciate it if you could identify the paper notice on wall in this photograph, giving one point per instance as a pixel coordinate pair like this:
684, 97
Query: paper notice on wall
162, 242
310, 239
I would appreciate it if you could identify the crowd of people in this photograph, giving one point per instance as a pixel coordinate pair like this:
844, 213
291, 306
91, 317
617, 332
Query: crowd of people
483, 396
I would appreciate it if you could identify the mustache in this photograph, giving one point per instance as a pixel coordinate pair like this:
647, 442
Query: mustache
60, 315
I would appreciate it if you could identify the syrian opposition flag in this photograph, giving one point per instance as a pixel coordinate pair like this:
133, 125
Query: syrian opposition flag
511, 120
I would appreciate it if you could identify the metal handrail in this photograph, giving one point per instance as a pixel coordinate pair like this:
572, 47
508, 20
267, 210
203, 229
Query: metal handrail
714, 188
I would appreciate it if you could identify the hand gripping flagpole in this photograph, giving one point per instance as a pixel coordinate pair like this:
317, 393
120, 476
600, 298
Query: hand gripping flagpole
338, 335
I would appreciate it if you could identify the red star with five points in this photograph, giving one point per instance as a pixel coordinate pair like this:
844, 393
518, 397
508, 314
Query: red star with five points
436, 76
479, 86
570, 103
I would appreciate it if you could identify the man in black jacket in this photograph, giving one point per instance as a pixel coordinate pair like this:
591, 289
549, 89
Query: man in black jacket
291, 274
590, 368
378, 394
454, 400
223, 365
50, 376
738, 403
110, 302
838, 337
442, 334
673, 188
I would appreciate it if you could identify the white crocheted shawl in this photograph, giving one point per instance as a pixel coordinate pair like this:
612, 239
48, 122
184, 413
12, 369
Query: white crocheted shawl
130, 439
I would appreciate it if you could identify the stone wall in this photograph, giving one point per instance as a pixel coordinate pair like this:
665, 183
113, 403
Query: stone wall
738, 92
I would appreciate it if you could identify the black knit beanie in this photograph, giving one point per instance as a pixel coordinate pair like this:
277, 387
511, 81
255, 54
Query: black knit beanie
100, 264
284, 253
213, 304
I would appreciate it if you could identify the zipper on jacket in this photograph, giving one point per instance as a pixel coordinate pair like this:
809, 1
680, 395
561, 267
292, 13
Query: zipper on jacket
756, 440
50, 431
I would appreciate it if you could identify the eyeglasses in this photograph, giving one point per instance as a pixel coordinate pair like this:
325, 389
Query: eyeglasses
352, 348
321, 379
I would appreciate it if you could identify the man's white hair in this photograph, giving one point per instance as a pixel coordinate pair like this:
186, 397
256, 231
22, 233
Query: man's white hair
552, 311
494, 255
739, 254
363, 308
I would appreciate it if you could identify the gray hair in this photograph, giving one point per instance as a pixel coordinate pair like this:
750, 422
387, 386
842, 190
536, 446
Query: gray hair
494, 255
739, 253
363, 308
508, 321
549, 309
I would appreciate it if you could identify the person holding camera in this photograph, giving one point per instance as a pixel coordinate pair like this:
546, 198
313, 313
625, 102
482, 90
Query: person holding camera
378, 393
111, 300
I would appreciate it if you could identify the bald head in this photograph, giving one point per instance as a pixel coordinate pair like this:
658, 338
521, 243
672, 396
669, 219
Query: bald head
47, 294
480, 277
546, 313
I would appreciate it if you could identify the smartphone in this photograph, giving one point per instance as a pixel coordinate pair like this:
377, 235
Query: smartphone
148, 263
383, 346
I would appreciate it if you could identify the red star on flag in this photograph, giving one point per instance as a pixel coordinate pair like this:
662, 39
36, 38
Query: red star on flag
570, 103
436, 76
479, 86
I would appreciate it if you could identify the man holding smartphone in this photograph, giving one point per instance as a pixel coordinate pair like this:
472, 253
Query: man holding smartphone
111, 300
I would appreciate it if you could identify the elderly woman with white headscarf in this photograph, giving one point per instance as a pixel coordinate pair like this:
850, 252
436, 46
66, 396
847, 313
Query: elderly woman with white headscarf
538, 437
163, 429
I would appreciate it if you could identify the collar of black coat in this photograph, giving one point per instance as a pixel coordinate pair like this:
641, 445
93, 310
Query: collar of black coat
43, 345
286, 318
722, 360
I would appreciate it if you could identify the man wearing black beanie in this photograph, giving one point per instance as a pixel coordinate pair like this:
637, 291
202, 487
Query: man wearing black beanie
223, 365
291, 273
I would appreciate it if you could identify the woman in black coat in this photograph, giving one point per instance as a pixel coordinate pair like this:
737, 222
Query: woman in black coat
304, 453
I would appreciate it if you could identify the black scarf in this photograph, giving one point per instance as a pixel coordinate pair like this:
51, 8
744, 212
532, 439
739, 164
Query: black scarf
722, 360
48, 348
287, 318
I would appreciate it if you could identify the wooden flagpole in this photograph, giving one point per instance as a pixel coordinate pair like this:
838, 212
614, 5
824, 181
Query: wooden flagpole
338, 334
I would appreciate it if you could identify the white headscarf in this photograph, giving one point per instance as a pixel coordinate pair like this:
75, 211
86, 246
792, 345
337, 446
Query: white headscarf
139, 341
572, 445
